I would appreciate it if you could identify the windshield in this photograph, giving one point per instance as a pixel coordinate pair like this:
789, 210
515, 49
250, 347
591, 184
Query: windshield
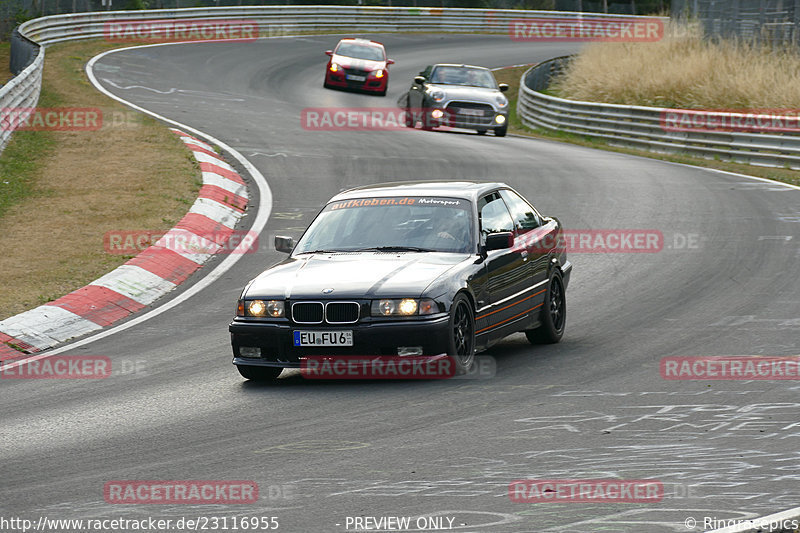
416, 224
470, 77
360, 51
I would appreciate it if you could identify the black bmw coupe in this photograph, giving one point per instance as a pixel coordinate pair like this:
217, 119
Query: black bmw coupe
406, 269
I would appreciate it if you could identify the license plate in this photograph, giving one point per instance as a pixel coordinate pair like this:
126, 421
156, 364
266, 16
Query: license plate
323, 338
353, 77
472, 112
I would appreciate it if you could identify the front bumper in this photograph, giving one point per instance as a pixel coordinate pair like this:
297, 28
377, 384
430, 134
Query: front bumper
338, 79
378, 338
460, 120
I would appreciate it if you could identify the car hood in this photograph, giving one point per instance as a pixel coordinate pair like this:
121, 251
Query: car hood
361, 64
353, 275
473, 94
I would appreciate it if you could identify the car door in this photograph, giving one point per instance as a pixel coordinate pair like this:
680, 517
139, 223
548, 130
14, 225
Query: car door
507, 272
535, 237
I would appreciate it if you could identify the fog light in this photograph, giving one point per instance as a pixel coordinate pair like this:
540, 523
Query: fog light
249, 351
437, 113
409, 350
500, 119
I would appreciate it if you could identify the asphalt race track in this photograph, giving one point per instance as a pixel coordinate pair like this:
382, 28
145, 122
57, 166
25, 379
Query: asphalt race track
593, 406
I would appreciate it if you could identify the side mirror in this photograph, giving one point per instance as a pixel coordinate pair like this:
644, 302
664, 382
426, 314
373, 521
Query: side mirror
284, 244
503, 87
328, 52
419, 80
390, 61
499, 241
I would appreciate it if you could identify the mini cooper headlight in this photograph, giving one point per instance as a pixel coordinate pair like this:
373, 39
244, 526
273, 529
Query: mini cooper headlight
404, 307
501, 100
270, 308
436, 94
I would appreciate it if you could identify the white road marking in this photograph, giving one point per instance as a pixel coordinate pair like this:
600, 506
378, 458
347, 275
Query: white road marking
44, 326
136, 283
259, 221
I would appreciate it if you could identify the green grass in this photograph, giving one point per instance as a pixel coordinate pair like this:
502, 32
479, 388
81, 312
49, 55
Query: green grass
22, 159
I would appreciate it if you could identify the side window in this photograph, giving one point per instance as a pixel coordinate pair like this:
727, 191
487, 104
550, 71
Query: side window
494, 215
525, 216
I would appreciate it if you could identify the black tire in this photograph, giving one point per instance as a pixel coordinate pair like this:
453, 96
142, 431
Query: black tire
461, 344
482, 132
501, 132
259, 373
410, 122
553, 315
427, 121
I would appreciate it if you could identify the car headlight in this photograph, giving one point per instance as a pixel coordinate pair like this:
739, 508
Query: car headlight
436, 94
379, 73
404, 307
501, 100
261, 308
335, 67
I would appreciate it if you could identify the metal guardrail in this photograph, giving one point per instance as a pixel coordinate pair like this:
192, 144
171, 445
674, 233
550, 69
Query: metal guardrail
23, 52
776, 22
643, 127
23, 90
273, 20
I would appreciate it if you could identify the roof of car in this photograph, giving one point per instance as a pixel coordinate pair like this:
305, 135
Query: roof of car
468, 190
458, 65
361, 41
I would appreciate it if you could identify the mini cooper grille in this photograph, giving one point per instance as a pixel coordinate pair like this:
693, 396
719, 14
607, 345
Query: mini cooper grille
469, 114
307, 312
342, 312
455, 107
332, 312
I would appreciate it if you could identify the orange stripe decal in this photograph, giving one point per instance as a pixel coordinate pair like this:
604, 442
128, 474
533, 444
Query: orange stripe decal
508, 319
510, 305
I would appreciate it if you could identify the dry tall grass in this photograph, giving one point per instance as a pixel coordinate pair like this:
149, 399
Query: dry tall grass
685, 71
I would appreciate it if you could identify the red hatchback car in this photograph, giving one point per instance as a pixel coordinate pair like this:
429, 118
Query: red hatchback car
358, 64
